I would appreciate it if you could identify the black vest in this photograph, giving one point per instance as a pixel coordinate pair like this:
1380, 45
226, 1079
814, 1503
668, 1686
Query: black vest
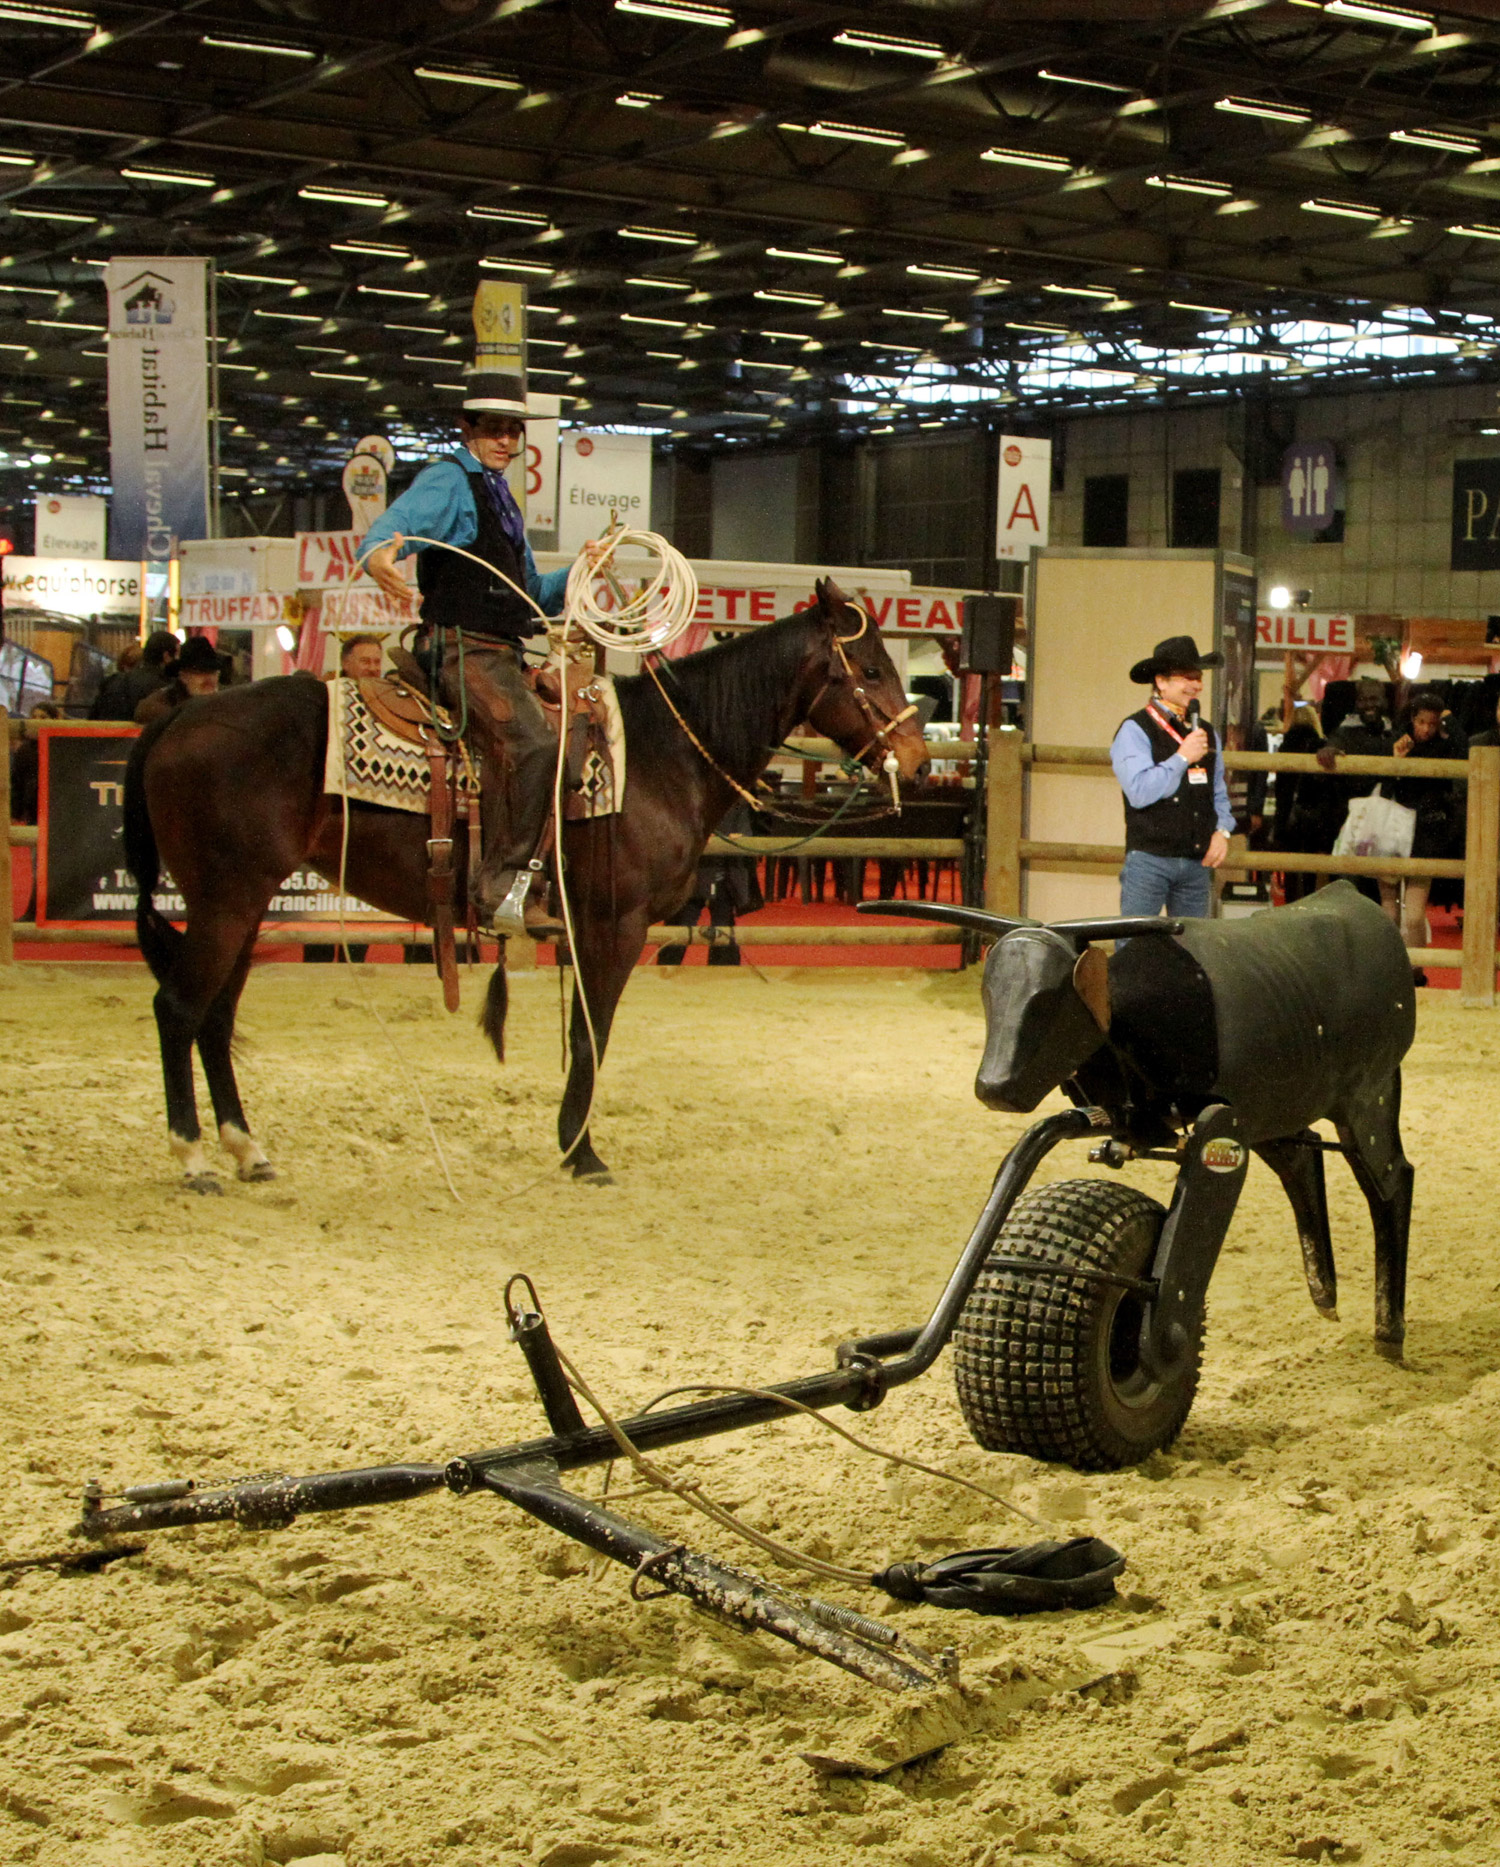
458, 594
1182, 823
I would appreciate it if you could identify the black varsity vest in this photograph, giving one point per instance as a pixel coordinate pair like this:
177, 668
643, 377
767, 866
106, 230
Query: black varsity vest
1182, 823
458, 594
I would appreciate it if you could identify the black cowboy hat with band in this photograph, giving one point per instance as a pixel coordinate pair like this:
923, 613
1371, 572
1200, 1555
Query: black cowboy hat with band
1177, 655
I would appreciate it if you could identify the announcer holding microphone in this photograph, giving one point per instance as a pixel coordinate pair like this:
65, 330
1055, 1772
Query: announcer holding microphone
1177, 816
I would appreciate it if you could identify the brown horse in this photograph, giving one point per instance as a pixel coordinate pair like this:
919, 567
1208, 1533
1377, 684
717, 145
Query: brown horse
227, 795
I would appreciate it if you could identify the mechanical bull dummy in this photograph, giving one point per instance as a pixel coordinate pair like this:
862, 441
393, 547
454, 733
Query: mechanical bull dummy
1201, 1041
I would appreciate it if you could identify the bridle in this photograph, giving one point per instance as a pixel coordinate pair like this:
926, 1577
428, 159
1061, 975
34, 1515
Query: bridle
876, 717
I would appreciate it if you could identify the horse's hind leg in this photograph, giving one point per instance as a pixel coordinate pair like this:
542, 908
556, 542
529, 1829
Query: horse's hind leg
215, 1044
200, 969
1371, 1136
1299, 1167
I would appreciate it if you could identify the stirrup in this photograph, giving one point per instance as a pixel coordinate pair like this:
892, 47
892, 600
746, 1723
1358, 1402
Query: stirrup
510, 917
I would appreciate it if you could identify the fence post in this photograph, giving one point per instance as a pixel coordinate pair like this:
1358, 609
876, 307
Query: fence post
1481, 862
7, 938
1002, 836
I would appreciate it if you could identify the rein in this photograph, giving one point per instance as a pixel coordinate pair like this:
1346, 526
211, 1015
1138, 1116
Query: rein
851, 763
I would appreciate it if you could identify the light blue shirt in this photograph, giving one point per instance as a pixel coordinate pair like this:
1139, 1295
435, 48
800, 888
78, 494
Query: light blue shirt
439, 503
1144, 782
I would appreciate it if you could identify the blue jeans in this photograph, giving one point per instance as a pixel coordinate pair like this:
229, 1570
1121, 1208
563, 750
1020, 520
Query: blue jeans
1180, 884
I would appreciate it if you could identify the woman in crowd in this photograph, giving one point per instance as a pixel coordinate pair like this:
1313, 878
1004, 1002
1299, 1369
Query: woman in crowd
1424, 731
1309, 808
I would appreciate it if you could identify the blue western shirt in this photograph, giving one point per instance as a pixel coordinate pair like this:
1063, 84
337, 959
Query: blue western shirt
439, 503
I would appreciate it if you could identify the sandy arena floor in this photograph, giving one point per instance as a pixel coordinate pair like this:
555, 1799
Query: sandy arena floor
1303, 1662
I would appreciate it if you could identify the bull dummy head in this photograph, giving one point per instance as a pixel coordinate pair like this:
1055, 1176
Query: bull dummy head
1046, 1009
1046, 996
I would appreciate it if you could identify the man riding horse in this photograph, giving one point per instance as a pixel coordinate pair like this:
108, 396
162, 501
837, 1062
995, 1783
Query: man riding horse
473, 625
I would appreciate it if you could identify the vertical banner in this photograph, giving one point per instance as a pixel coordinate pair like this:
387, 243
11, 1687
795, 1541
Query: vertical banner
537, 466
1025, 502
158, 404
600, 474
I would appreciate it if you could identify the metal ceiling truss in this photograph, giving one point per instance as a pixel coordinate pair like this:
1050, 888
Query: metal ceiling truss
771, 220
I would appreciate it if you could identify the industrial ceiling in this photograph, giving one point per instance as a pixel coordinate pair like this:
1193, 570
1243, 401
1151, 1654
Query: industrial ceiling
753, 218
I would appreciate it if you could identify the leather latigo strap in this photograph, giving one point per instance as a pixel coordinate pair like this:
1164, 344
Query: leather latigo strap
443, 777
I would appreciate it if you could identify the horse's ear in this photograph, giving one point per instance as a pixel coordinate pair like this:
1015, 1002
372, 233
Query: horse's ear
830, 597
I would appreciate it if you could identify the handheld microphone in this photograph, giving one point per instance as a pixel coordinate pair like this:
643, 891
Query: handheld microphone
1192, 715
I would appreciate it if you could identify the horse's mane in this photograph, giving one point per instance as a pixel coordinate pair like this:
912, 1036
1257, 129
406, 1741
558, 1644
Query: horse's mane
732, 693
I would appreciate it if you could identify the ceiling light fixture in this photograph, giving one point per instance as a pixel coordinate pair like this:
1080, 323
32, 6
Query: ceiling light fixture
812, 255
860, 41
1213, 311
54, 213
791, 298
855, 133
50, 16
684, 12
369, 249
637, 317
255, 278
638, 100
13, 159
1254, 107
1349, 210
288, 317
455, 74
662, 285
346, 197
664, 234
225, 43
517, 216
531, 267
1379, 15
334, 376
927, 317
393, 291
1478, 231
182, 179
921, 269
1090, 84
1081, 291
1437, 139
1047, 330
1190, 184
1026, 159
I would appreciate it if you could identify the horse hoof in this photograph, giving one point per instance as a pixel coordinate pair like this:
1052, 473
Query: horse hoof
598, 1176
1389, 1351
203, 1183
258, 1172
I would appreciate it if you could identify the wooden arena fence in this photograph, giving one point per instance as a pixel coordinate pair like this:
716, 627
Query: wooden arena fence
1009, 855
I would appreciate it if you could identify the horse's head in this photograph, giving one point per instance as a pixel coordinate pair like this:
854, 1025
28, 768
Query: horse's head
860, 703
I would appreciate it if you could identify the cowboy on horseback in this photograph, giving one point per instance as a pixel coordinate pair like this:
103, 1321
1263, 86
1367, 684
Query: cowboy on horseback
474, 623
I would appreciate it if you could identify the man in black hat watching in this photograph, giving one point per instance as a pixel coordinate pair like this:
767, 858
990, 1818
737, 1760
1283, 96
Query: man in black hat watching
1177, 816
198, 671
476, 620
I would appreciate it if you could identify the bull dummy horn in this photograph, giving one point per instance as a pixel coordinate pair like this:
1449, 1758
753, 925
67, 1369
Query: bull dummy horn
1122, 927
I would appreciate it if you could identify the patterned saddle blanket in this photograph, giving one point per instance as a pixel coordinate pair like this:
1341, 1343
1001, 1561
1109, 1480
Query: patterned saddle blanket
379, 731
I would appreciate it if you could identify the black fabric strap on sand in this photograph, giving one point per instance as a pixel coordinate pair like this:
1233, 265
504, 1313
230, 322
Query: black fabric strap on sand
1079, 1573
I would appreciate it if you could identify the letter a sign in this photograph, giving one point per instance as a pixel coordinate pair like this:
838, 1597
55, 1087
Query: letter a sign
1025, 495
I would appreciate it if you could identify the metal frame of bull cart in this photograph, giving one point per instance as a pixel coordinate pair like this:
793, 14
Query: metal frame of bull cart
529, 1474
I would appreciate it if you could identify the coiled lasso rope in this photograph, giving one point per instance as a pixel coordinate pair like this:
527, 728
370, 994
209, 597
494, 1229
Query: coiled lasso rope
651, 619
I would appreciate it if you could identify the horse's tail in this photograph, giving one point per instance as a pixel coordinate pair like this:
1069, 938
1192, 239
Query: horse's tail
496, 1004
159, 940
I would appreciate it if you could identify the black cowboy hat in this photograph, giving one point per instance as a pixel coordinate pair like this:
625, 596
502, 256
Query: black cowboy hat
1177, 655
199, 656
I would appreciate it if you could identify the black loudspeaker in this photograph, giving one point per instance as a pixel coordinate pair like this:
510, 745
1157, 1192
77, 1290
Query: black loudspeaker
989, 644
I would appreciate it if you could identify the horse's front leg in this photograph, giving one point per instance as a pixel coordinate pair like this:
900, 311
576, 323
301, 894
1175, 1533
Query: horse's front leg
605, 952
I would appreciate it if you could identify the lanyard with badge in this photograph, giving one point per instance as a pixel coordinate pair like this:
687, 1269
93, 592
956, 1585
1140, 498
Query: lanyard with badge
1196, 774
